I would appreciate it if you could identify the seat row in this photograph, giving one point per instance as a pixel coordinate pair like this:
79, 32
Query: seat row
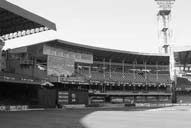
127, 77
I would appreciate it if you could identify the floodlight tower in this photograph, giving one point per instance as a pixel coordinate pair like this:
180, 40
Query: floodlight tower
164, 20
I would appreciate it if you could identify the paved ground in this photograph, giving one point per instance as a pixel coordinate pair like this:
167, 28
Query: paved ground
172, 117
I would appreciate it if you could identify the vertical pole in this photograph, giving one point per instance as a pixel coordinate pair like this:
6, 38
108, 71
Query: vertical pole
90, 73
145, 76
110, 68
104, 68
33, 66
78, 68
123, 68
145, 63
164, 21
134, 63
164, 15
2, 43
124, 86
157, 77
7, 62
174, 84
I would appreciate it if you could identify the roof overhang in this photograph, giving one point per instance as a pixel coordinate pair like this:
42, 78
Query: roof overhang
16, 22
116, 55
113, 54
183, 57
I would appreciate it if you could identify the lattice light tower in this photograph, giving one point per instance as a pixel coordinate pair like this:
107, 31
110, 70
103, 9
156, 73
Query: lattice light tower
164, 20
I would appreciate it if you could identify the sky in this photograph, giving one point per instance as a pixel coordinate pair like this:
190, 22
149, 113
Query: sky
117, 24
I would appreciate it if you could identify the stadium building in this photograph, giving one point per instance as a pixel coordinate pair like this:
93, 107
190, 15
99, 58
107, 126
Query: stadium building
58, 72
182, 57
84, 74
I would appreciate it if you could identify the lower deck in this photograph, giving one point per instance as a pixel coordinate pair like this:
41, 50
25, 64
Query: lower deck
36, 95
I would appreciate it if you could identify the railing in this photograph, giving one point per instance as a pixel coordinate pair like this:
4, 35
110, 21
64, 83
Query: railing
126, 77
154, 93
130, 65
17, 77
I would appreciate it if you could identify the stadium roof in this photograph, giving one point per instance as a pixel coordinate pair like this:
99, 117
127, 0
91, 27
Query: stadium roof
182, 55
105, 49
16, 22
113, 54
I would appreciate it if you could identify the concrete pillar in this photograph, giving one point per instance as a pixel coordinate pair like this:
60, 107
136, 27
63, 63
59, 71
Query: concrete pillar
2, 43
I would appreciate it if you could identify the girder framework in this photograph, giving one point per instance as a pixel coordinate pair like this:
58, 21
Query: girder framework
164, 23
16, 22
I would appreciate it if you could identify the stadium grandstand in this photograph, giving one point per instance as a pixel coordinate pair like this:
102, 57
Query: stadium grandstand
182, 57
90, 75
59, 72
16, 22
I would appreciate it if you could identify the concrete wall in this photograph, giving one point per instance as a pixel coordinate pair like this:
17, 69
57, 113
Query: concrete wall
15, 67
60, 66
35, 50
77, 56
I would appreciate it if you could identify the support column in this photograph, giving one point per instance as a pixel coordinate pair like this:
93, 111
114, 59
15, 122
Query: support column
110, 68
104, 68
134, 68
164, 20
145, 64
146, 87
124, 87
157, 75
123, 68
90, 72
2, 43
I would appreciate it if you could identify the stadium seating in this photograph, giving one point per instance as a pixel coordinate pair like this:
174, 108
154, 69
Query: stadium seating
126, 77
162, 78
